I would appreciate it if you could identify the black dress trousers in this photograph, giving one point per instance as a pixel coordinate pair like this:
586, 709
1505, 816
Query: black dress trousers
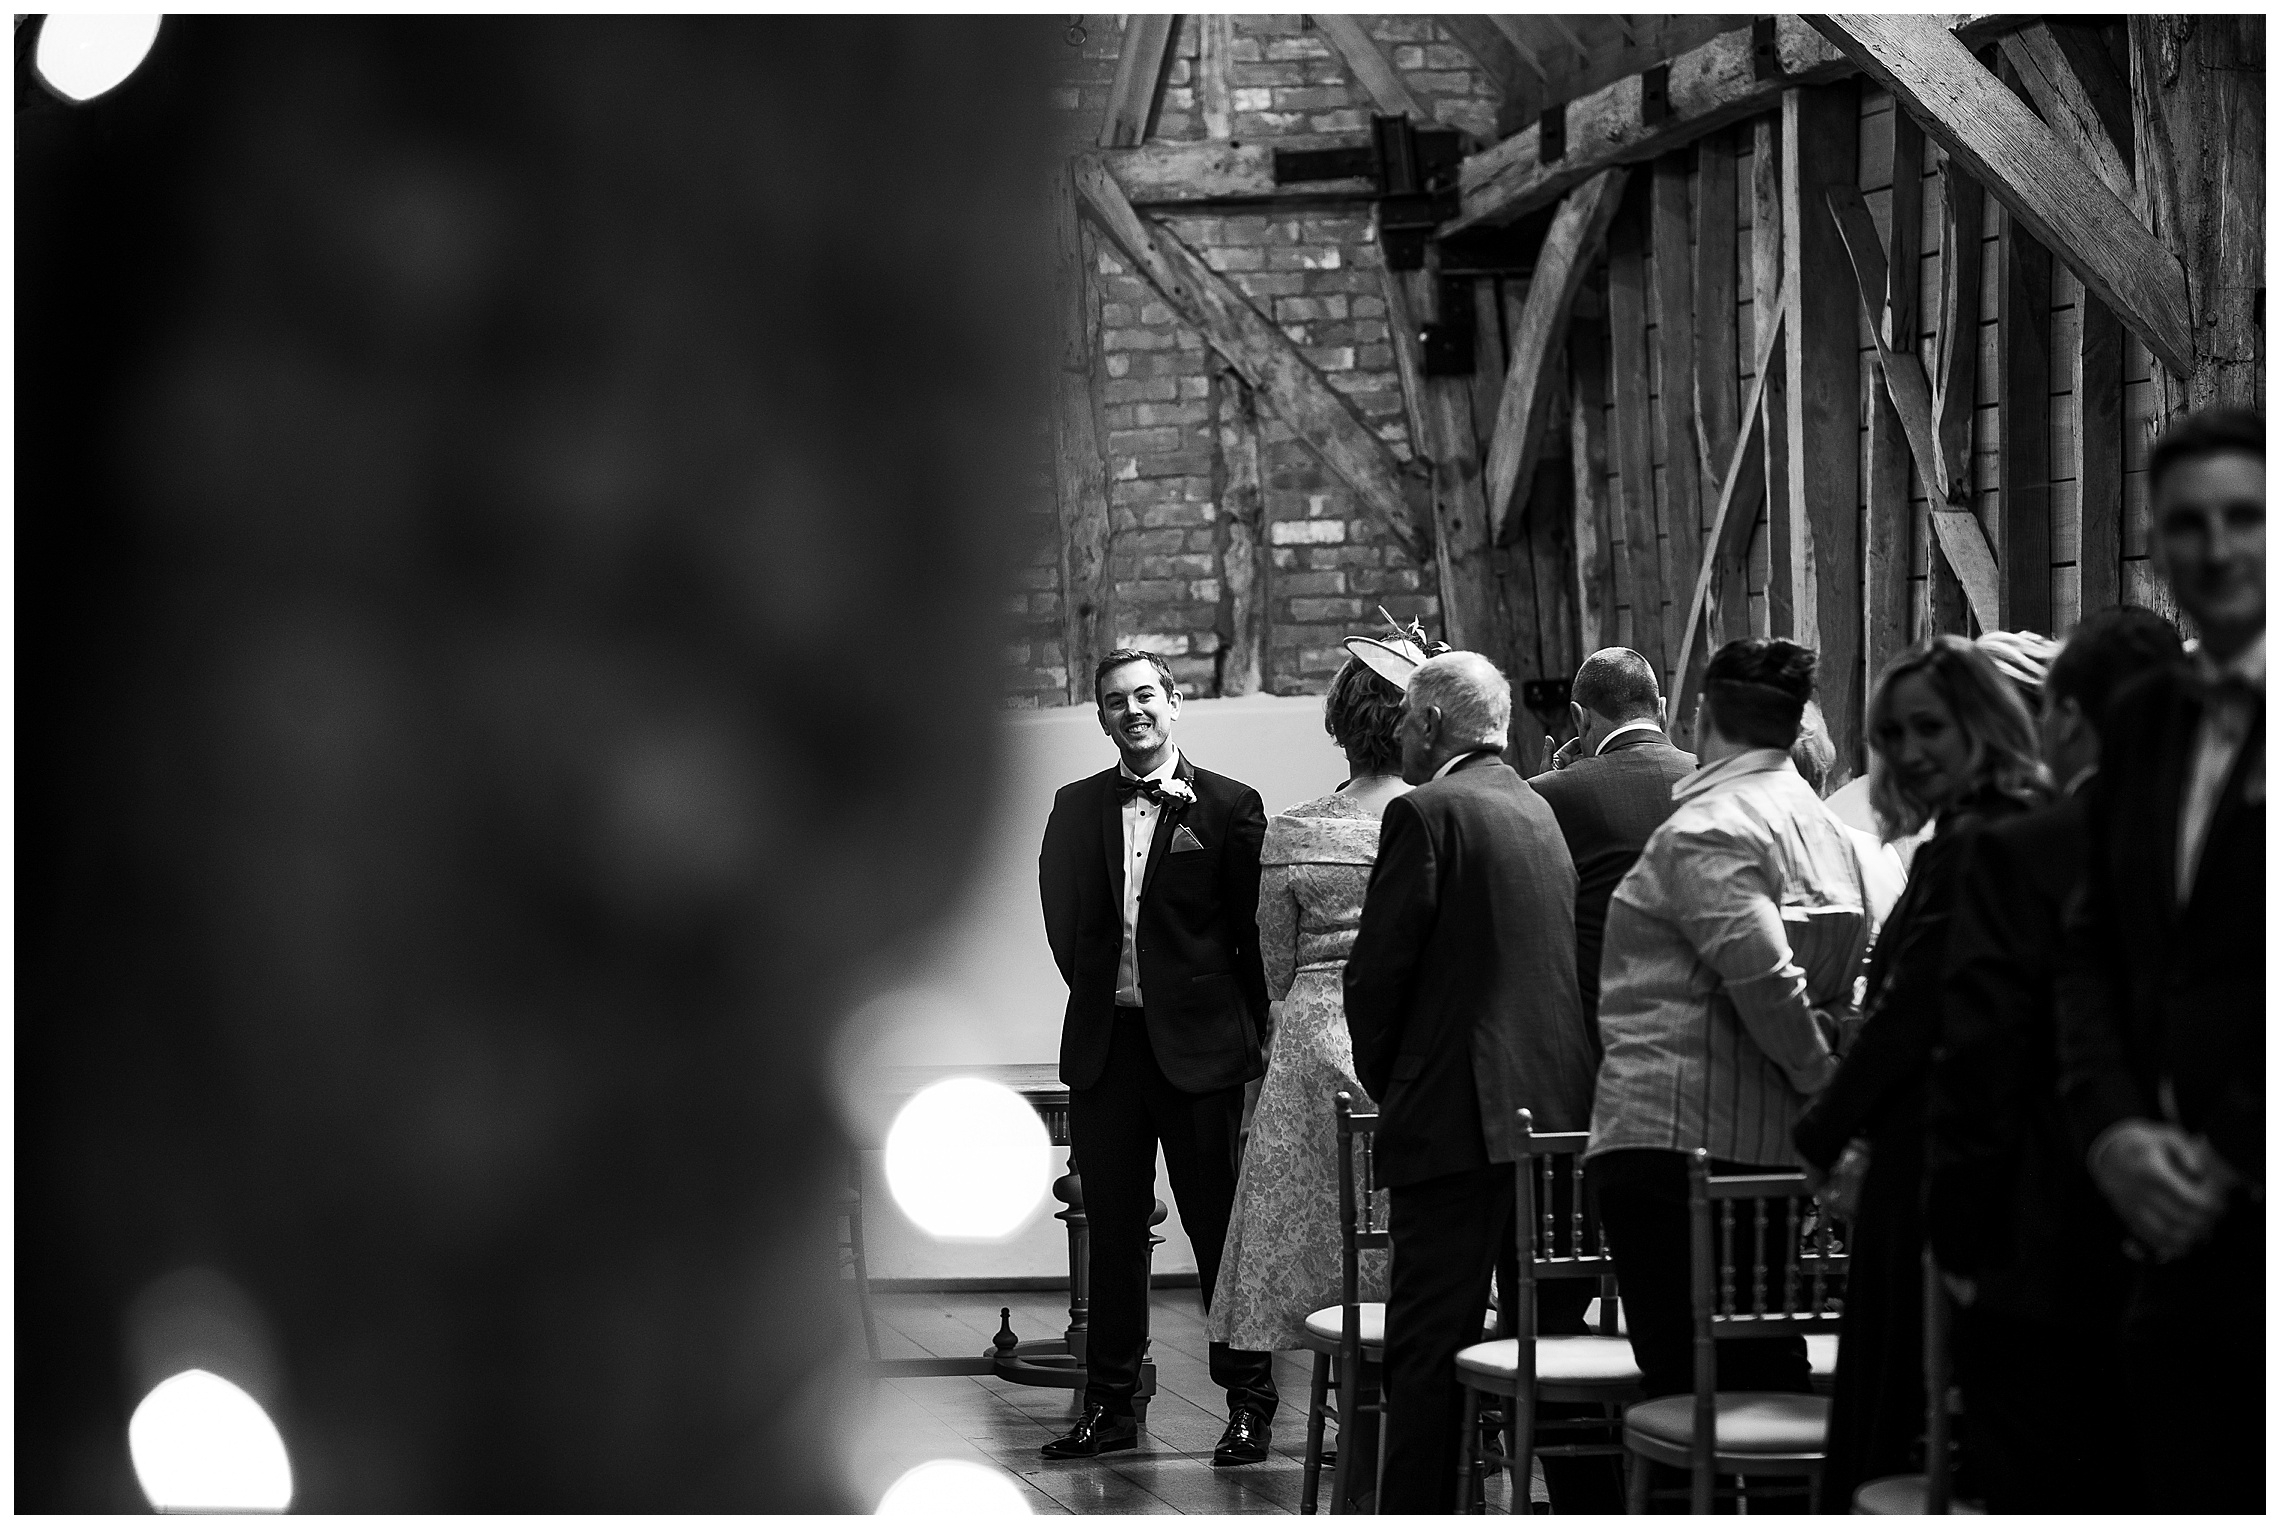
1115, 1126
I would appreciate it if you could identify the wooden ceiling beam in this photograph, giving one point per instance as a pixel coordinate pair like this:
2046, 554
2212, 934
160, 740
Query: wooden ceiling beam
2017, 157
2065, 98
1516, 37
1371, 69
1286, 382
1141, 63
1165, 174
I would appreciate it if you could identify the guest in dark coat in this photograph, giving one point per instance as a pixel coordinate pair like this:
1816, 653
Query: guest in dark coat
2161, 995
1610, 787
2029, 1248
1461, 1001
1950, 743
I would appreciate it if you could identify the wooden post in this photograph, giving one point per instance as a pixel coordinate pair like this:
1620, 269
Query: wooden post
1674, 339
1211, 91
1820, 129
1080, 480
1587, 453
1766, 265
2197, 87
1717, 392
1642, 585
1954, 389
1142, 60
1889, 517
2099, 424
2023, 468
1244, 564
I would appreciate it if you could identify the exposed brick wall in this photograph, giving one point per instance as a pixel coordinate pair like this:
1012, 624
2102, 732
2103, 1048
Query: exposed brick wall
1316, 273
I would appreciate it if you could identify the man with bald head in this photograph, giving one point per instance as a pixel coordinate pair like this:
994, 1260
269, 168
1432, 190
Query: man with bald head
1610, 787
1461, 1001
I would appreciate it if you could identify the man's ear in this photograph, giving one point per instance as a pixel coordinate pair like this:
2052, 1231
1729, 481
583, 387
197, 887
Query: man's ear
1580, 717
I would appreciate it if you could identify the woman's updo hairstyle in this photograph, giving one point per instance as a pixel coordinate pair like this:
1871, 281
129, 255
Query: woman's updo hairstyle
1363, 713
1754, 691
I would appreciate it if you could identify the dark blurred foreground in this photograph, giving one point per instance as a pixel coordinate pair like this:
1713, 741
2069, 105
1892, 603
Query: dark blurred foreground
509, 517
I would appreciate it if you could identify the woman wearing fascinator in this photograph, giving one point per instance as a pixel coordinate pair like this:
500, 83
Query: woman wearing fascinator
1282, 1253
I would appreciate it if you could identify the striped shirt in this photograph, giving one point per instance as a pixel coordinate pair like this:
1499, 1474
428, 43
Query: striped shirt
1730, 959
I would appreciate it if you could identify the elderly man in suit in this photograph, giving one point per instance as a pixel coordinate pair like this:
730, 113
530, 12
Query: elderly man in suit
1461, 1001
2161, 990
1610, 787
2030, 1248
1150, 879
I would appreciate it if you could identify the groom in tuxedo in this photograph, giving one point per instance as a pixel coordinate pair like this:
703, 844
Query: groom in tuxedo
1150, 879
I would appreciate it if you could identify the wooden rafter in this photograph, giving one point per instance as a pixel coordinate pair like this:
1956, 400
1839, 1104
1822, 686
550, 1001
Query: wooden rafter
1213, 98
1960, 536
1285, 381
2010, 150
1516, 36
1370, 67
1490, 50
1174, 174
2054, 79
1141, 63
1561, 265
1741, 490
1079, 476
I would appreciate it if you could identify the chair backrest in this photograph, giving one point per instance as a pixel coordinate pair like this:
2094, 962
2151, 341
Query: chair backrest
1562, 1242
1359, 1226
1762, 1263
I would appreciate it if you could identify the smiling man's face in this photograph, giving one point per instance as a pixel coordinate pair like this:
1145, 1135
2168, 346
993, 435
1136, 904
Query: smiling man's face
1137, 709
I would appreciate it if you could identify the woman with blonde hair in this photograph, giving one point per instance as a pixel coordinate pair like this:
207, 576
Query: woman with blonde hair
1951, 745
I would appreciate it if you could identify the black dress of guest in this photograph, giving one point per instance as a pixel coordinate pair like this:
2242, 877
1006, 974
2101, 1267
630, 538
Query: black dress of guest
1877, 1418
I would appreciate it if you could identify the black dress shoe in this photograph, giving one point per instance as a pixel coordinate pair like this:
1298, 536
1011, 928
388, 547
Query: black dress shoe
1098, 1432
1245, 1441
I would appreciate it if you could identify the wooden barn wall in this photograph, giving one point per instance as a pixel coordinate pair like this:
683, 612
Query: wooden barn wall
1174, 424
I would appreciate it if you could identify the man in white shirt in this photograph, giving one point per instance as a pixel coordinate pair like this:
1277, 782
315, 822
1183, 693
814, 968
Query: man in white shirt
2161, 1010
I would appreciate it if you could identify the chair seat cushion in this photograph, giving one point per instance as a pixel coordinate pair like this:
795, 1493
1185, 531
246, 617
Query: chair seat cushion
1560, 1361
1899, 1494
1748, 1422
1328, 1325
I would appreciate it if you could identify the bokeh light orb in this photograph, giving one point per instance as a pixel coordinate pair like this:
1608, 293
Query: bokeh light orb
200, 1444
82, 56
968, 1160
953, 1489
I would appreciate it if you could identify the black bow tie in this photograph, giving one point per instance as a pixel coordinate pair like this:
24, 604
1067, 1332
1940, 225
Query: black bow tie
1127, 788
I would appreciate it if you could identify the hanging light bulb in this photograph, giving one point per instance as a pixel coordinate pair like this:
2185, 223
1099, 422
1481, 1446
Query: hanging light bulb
79, 57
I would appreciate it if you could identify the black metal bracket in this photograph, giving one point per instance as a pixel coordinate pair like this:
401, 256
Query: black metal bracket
1654, 94
1551, 135
1416, 175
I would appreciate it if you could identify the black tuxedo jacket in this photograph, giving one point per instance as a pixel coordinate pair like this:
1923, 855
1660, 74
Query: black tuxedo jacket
1607, 806
1460, 990
2150, 991
2009, 1202
1198, 935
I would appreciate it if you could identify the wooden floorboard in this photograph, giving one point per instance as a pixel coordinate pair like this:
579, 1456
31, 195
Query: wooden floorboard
999, 1423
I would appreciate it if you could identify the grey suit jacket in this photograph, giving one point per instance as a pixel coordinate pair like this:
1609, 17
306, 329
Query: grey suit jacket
1460, 990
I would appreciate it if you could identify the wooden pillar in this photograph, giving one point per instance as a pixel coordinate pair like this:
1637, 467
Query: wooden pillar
1245, 567
1820, 133
2022, 314
1641, 587
1080, 480
1890, 513
2197, 92
1766, 263
1954, 391
1587, 462
2099, 424
1681, 450
1717, 389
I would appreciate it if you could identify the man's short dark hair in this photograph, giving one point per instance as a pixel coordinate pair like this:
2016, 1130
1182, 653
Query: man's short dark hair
1363, 713
1618, 684
2208, 433
2109, 649
1754, 690
1113, 661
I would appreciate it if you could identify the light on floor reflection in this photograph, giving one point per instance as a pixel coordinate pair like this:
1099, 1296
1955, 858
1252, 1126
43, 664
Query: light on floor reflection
953, 1489
82, 56
200, 1444
968, 1159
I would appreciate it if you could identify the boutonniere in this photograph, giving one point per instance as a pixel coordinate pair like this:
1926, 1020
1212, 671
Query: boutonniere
1177, 791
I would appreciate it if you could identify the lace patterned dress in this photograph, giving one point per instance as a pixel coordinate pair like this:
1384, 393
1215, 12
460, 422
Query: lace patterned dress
1281, 1257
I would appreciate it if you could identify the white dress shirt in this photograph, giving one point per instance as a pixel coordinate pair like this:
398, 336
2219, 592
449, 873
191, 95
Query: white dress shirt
1628, 727
1139, 814
1450, 764
2216, 747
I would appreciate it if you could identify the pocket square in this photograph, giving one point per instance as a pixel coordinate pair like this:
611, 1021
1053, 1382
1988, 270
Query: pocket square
1183, 841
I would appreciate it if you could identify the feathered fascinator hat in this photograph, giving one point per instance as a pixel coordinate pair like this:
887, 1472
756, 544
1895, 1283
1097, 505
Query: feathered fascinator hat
1395, 658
